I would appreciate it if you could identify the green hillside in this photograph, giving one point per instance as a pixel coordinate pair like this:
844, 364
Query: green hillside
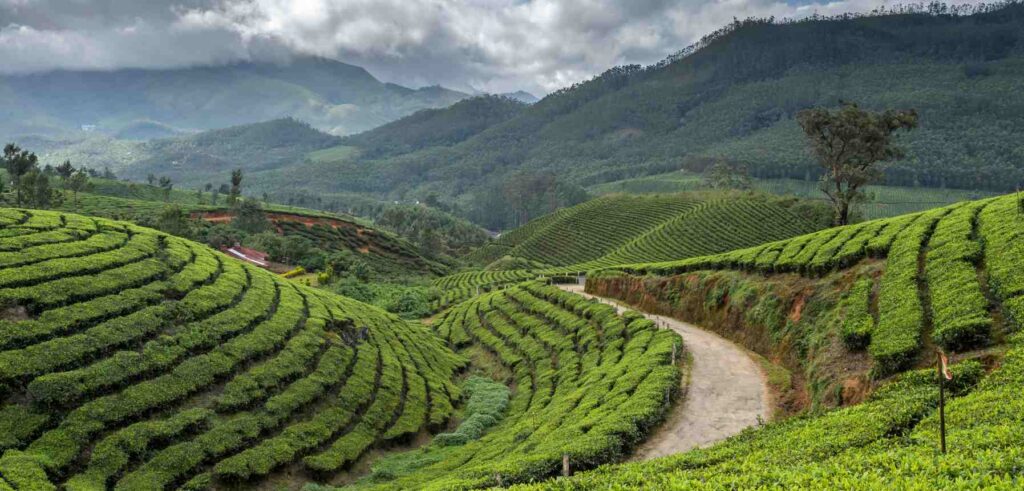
882, 202
853, 313
589, 384
387, 253
734, 95
620, 229
893, 288
434, 127
209, 156
130, 359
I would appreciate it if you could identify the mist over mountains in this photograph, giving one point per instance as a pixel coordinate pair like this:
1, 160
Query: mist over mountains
332, 96
733, 96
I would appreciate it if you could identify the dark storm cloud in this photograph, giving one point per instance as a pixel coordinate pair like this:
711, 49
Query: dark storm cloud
492, 45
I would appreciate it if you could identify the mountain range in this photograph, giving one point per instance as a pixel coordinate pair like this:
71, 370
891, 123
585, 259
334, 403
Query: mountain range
144, 103
732, 96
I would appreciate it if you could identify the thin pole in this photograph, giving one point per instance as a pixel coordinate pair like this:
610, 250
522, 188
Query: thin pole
942, 407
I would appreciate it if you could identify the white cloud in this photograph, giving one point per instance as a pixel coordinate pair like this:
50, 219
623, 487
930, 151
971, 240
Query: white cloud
492, 45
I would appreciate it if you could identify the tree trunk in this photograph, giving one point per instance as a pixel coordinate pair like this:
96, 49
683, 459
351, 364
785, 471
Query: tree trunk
843, 213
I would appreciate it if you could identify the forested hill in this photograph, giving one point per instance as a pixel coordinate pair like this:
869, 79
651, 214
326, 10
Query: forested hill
437, 127
735, 95
211, 155
331, 95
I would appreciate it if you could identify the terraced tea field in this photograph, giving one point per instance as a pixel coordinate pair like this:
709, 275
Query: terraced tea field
130, 359
385, 251
590, 385
884, 201
622, 229
950, 278
943, 254
589, 230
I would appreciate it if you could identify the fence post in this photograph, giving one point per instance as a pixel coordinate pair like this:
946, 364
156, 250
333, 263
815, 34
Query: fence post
565, 465
941, 364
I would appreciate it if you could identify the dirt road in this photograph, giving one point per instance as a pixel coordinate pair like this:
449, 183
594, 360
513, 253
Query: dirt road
727, 391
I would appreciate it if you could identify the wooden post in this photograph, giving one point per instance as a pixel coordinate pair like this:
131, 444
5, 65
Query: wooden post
497, 477
942, 405
565, 465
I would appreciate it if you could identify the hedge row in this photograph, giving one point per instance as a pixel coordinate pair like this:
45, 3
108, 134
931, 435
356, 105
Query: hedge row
960, 311
897, 337
857, 320
1001, 230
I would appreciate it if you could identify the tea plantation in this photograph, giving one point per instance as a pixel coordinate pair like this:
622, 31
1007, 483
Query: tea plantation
130, 359
623, 228
590, 385
951, 279
620, 229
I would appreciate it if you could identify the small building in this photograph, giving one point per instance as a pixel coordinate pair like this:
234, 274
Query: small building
253, 256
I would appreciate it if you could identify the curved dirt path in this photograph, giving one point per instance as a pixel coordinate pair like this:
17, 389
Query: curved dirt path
727, 391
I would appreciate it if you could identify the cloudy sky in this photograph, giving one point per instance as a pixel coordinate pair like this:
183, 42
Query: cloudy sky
487, 45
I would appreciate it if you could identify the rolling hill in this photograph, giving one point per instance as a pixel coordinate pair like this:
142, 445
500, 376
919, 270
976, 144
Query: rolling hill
130, 359
851, 316
331, 95
389, 254
619, 229
210, 156
435, 127
734, 95
887, 292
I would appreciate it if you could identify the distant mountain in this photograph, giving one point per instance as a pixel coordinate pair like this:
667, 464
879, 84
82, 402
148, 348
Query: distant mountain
521, 96
436, 127
733, 96
335, 97
210, 156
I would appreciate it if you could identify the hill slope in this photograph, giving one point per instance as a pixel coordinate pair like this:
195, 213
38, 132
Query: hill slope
735, 96
620, 229
434, 127
331, 95
209, 157
387, 253
890, 290
851, 314
119, 343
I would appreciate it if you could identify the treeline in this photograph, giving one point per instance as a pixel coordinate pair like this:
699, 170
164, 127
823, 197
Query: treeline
31, 184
